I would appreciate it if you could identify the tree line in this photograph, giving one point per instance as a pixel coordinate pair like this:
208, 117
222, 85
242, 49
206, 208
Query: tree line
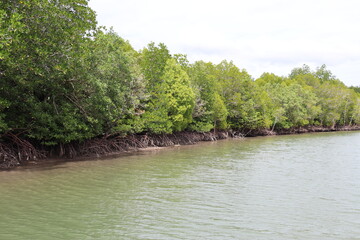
64, 79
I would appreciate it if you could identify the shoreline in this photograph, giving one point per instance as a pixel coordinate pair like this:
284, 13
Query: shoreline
105, 148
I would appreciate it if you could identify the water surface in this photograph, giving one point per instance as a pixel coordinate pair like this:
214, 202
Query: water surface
284, 187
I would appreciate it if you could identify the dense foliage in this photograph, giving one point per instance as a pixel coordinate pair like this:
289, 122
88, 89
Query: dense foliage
62, 79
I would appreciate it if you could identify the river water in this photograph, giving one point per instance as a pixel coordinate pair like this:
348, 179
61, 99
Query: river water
283, 187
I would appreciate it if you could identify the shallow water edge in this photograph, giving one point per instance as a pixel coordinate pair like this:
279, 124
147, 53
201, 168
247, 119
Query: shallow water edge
116, 146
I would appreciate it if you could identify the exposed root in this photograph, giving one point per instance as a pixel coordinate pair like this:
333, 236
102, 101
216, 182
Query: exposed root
115, 144
15, 150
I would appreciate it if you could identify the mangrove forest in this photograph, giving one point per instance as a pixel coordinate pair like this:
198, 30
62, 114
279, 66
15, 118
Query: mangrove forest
69, 87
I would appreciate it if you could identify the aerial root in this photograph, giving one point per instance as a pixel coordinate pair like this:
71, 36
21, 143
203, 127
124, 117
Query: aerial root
14, 151
114, 144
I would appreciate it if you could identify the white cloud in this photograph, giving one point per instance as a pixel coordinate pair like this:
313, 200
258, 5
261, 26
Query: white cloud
258, 35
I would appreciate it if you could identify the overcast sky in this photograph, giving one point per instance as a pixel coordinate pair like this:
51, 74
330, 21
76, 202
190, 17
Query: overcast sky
258, 35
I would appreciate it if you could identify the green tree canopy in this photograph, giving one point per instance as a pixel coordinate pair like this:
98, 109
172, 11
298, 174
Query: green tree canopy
44, 42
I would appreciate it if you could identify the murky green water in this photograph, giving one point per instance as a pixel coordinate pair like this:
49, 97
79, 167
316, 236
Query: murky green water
286, 187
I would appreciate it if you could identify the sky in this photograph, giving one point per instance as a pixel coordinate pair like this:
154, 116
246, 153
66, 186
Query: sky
257, 35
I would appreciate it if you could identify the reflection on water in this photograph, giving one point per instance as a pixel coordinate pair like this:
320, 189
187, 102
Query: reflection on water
285, 187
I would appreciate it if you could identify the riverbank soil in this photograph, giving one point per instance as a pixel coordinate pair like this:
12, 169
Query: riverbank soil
15, 151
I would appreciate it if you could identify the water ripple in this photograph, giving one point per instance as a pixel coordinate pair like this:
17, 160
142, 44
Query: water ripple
288, 187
